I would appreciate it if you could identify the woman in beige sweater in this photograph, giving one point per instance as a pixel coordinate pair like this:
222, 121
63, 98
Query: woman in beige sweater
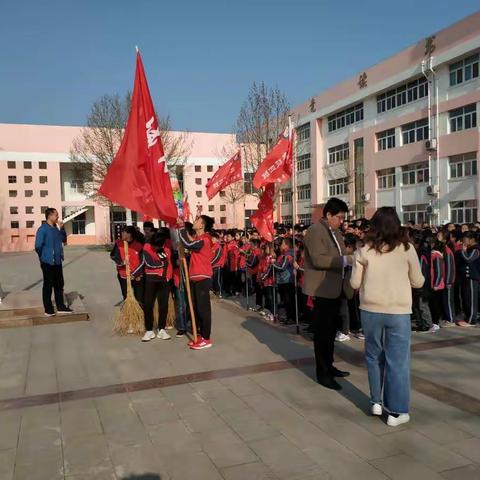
385, 270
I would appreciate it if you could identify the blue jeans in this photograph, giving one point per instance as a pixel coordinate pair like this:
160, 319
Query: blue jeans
387, 352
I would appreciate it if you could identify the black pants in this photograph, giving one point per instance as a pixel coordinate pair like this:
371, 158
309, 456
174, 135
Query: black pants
436, 306
217, 280
354, 313
257, 288
156, 290
326, 322
201, 305
287, 295
52, 279
137, 286
268, 294
470, 299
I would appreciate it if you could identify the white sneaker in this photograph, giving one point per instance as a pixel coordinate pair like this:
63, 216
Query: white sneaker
163, 335
396, 421
376, 409
149, 335
435, 327
341, 337
48, 314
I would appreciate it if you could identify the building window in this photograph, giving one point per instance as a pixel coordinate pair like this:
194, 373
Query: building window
209, 168
198, 193
287, 219
416, 173
29, 210
42, 165
386, 178
43, 193
30, 223
43, 210
222, 194
463, 212
223, 208
29, 193
415, 131
27, 165
43, 179
386, 139
13, 210
27, 179
338, 187
211, 208
305, 218
345, 117
76, 186
12, 193
403, 94
415, 213
14, 224
462, 166
339, 153
11, 164
12, 179
78, 224
463, 118
248, 187
223, 220
198, 168
303, 132
286, 195
303, 162
304, 192
464, 70
198, 181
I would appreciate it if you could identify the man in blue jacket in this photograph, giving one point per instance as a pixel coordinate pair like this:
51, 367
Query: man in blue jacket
49, 246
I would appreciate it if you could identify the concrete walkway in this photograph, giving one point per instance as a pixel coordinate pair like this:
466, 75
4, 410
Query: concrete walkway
239, 410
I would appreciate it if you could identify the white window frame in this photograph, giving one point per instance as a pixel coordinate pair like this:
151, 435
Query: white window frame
305, 218
386, 139
286, 195
386, 179
303, 162
415, 131
303, 132
459, 165
416, 173
338, 187
287, 219
465, 211
415, 213
467, 67
346, 117
338, 153
460, 117
304, 192
402, 95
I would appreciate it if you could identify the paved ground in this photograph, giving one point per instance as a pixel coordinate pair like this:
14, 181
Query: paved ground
240, 410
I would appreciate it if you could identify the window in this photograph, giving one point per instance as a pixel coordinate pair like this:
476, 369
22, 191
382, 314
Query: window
304, 192
198, 168
464, 70
27, 165
198, 181
211, 208
249, 189
386, 139
42, 165
223, 208
415, 213
12, 193
386, 178
463, 212
11, 164
287, 219
13, 210
286, 195
28, 209
338, 187
305, 218
415, 131
14, 224
12, 179
198, 193
416, 173
43, 210
30, 223
345, 117
222, 193
463, 165
303, 132
43, 179
463, 118
29, 193
78, 224
403, 94
303, 162
43, 193
337, 154
209, 168
223, 220
76, 186
28, 179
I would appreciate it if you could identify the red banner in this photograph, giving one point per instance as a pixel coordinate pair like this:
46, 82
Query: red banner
230, 172
262, 219
138, 177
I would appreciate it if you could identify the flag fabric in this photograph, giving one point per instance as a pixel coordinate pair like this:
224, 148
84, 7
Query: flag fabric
186, 209
138, 177
277, 165
230, 172
262, 219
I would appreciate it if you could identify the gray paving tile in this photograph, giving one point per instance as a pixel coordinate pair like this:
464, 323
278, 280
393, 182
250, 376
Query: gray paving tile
80, 422
242, 386
469, 448
9, 430
155, 412
404, 467
470, 472
7, 464
223, 400
40, 470
170, 438
203, 420
86, 455
192, 466
248, 425
250, 471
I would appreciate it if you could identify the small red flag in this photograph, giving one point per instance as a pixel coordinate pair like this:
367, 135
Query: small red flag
138, 177
230, 172
262, 219
186, 209
277, 165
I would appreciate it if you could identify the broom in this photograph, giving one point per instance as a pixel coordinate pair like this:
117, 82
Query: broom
130, 319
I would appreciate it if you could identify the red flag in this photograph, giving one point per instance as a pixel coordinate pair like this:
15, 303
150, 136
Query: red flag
230, 172
277, 165
262, 219
186, 209
138, 177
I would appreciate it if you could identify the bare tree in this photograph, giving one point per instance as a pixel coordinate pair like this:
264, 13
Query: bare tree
94, 149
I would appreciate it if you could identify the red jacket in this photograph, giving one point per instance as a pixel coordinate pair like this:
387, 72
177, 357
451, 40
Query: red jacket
135, 256
218, 259
201, 256
233, 254
158, 265
253, 260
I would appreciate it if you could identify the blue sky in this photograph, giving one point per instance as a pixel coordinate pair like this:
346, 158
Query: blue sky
200, 56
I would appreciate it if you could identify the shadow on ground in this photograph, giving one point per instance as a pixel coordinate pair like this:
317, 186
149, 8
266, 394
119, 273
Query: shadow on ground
145, 476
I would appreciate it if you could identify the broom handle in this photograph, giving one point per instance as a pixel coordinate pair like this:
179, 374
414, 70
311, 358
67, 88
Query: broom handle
181, 254
127, 267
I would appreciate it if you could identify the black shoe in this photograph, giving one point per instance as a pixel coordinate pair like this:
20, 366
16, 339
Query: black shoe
180, 334
329, 382
338, 373
64, 311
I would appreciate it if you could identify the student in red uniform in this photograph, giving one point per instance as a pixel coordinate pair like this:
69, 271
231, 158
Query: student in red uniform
232, 263
200, 272
253, 261
135, 257
218, 261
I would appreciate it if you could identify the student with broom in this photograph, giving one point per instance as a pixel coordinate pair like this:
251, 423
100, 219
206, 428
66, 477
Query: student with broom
200, 274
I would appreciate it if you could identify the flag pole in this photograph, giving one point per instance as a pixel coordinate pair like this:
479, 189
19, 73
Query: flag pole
294, 213
242, 161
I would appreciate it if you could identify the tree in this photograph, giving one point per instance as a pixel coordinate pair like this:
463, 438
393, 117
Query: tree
94, 149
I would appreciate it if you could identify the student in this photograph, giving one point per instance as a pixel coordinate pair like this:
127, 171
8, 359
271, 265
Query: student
218, 261
232, 264
285, 280
266, 279
158, 273
437, 281
135, 259
469, 270
253, 261
449, 261
148, 231
200, 272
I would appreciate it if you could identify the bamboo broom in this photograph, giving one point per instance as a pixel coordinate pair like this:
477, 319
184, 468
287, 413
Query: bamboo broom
184, 266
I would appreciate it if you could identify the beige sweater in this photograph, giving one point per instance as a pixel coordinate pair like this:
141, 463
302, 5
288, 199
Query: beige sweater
386, 280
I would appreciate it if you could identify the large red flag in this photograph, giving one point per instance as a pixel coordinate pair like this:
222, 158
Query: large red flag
230, 172
138, 177
277, 165
262, 219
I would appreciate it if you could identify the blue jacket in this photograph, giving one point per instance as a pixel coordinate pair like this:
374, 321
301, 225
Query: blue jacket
284, 267
49, 244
